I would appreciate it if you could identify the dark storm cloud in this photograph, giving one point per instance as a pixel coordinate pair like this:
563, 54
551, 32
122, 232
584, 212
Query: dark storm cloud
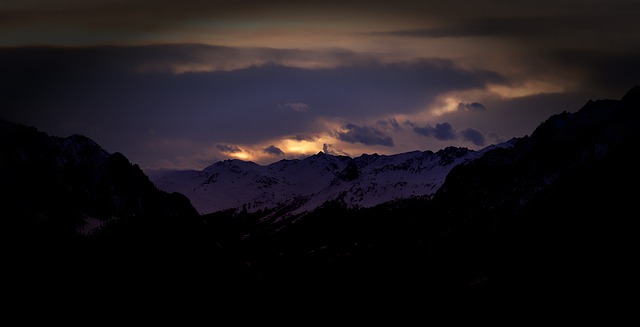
300, 137
474, 106
273, 150
364, 134
513, 26
473, 136
566, 40
442, 131
104, 87
558, 20
154, 14
390, 124
137, 14
228, 148
199, 57
599, 70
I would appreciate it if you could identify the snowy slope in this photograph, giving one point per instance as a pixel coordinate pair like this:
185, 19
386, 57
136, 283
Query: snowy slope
305, 184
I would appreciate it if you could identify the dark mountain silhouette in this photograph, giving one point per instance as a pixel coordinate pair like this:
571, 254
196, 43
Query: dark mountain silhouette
553, 213
73, 186
77, 218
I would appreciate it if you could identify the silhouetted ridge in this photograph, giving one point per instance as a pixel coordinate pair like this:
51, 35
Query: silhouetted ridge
554, 206
632, 96
73, 178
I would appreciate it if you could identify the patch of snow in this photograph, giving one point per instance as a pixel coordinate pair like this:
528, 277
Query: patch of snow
364, 181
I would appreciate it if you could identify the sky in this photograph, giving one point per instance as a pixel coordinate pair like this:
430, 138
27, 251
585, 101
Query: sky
184, 84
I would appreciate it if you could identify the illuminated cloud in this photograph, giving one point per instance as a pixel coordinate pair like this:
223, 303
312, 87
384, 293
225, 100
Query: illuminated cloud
473, 136
364, 134
273, 150
526, 88
332, 150
301, 145
224, 148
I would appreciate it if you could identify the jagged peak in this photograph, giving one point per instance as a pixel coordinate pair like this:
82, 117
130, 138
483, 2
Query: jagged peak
11, 127
452, 150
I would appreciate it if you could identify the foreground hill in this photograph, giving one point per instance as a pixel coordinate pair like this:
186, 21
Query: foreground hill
76, 218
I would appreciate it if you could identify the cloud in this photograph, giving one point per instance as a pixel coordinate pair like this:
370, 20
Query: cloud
473, 136
599, 70
474, 106
197, 58
330, 149
215, 103
273, 150
442, 131
482, 27
518, 26
301, 137
458, 27
228, 148
439, 32
390, 124
364, 134
472, 18
105, 87
298, 106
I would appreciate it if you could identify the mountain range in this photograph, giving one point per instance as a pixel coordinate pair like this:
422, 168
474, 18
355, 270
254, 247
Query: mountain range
551, 212
290, 187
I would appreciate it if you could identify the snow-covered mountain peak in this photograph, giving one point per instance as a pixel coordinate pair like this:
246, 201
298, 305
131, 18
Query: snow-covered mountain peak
304, 184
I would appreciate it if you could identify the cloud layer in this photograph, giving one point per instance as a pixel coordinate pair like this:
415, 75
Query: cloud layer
180, 85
